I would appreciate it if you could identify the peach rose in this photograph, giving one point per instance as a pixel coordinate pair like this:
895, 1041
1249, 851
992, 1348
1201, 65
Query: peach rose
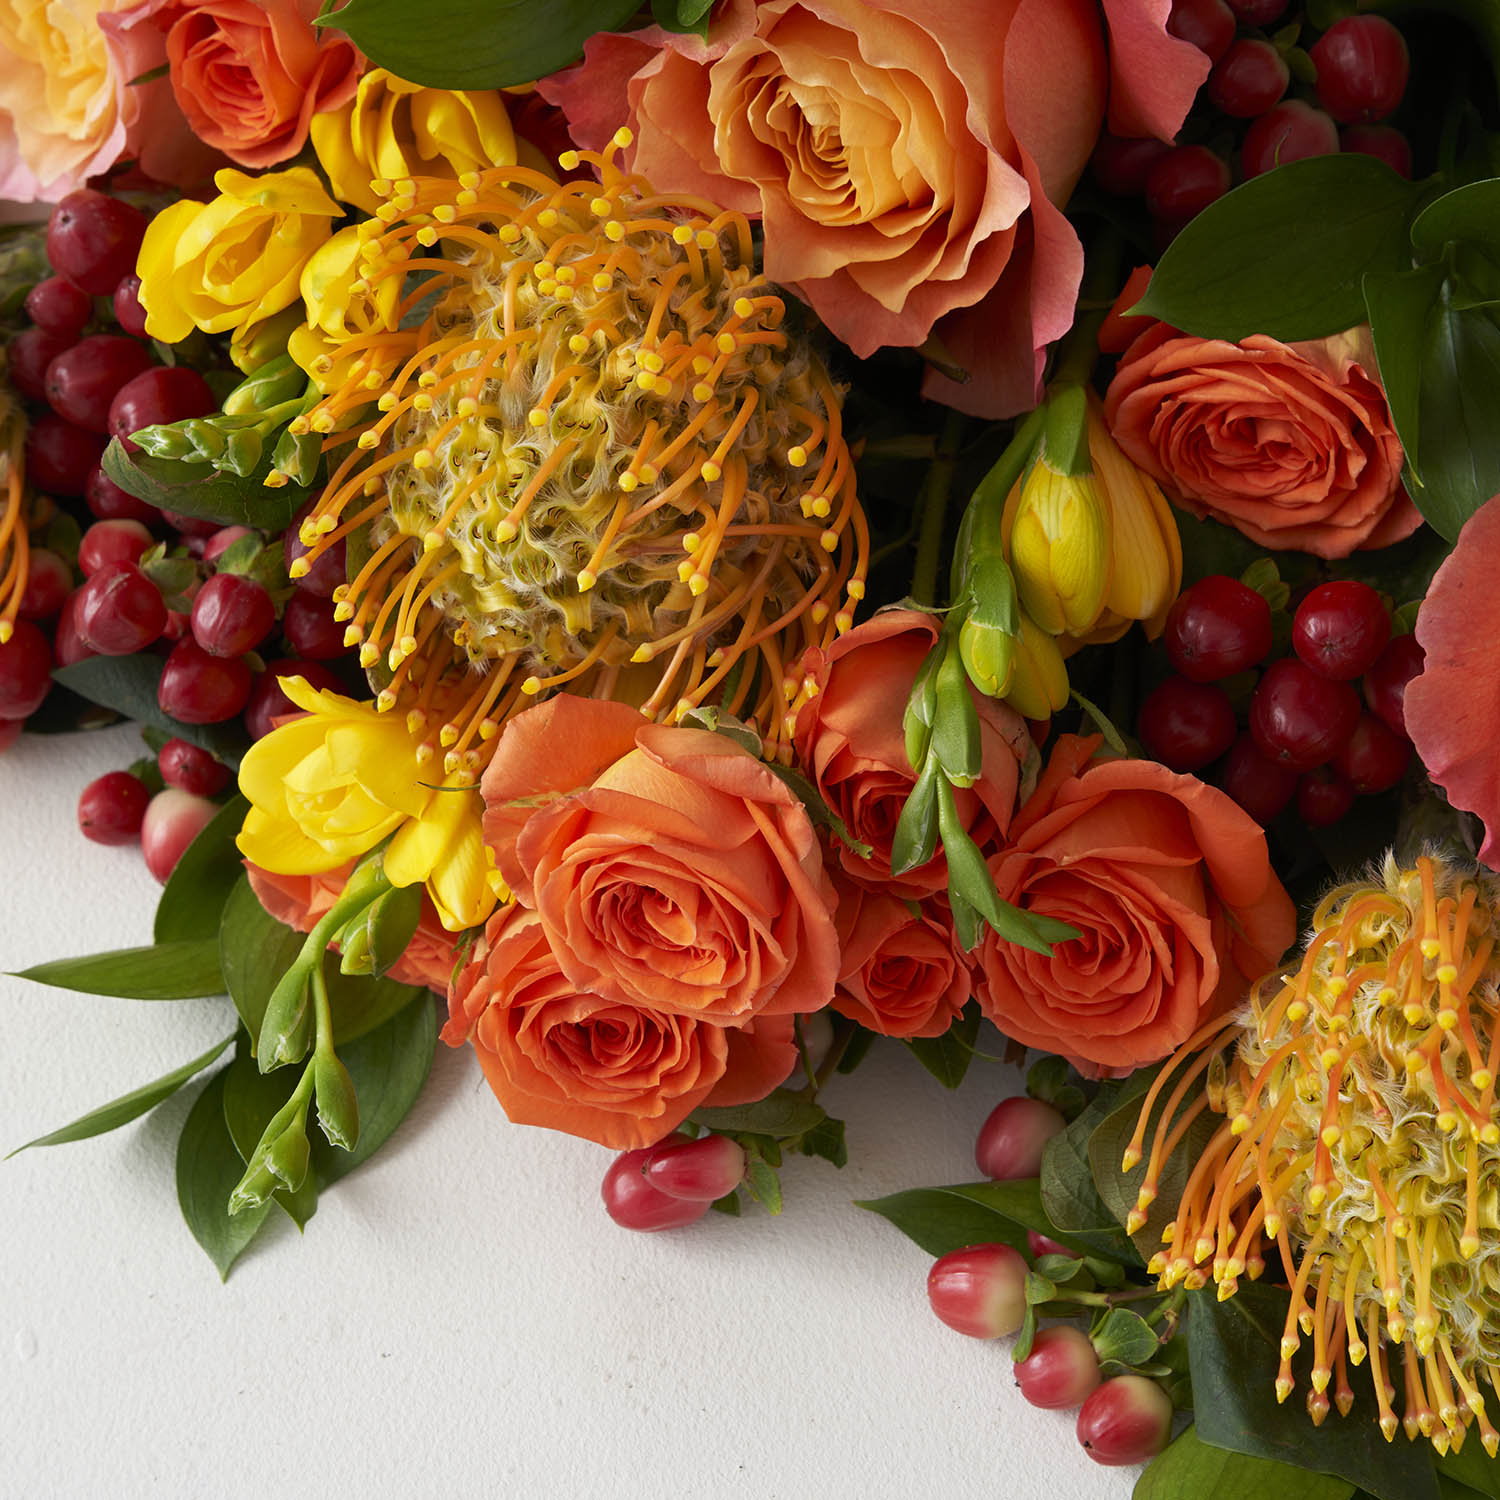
1291, 444
901, 972
909, 160
301, 901
250, 74
1171, 889
612, 1072
849, 740
671, 870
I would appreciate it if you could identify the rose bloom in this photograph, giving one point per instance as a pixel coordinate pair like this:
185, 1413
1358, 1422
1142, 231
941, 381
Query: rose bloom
301, 901
849, 740
620, 1074
1291, 444
900, 972
908, 159
1171, 890
671, 870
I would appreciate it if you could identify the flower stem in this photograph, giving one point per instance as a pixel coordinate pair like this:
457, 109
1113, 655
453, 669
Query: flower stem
934, 510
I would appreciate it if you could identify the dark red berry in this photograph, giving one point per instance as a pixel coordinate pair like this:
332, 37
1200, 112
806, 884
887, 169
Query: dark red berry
59, 306
25, 671
1013, 1137
702, 1170
268, 703
129, 313
1186, 724
1340, 629
1291, 131
231, 615
1217, 628
1257, 12
326, 571
1061, 1369
1208, 24
108, 542
1323, 798
633, 1203
1362, 66
1375, 758
1125, 1421
60, 456
191, 769
980, 1291
49, 581
1184, 182
1300, 719
1248, 79
1261, 786
1379, 141
196, 688
1385, 682
112, 807
309, 628
92, 239
119, 611
1120, 163
110, 503
168, 393
173, 820
67, 644
27, 357
83, 380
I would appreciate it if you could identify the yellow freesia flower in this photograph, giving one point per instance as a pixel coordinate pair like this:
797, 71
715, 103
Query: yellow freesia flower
226, 265
340, 306
392, 129
1057, 529
327, 788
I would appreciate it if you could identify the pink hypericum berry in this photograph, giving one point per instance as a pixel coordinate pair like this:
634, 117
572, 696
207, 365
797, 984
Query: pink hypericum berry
1042, 1244
1011, 1140
1125, 1421
980, 1290
700, 1170
173, 820
1061, 1369
633, 1203
111, 808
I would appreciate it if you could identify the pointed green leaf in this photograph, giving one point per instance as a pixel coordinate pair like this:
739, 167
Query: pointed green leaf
1399, 304
782, 1115
199, 489
251, 1100
208, 1167
192, 901
1190, 1470
164, 971
947, 1057
1470, 212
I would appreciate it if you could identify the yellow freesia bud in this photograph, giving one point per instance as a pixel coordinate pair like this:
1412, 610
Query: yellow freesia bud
327, 788
1058, 534
988, 654
1039, 677
226, 265
258, 343
392, 130
336, 312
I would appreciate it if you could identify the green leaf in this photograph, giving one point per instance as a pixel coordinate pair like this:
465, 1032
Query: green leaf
826, 1139
251, 1099
392, 922
682, 15
1126, 1337
820, 813
127, 1107
199, 489
208, 1167
192, 901
781, 1115
1284, 253
1399, 304
915, 840
1190, 1470
1470, 212
165, 971
476, 44
947, 1057
1473, 1468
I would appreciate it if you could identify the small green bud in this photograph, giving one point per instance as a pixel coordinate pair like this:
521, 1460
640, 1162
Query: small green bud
921, 709
254, 1188
287, 1157
355, 957
955, 727
164, 440
338, 1108
269, 385
988, 656
285, 1028
242, 452
205, 435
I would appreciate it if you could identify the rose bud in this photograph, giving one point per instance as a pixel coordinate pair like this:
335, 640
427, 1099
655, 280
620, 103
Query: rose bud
980, 1290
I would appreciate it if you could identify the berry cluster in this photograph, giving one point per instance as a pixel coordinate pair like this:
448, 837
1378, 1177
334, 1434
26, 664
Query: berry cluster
1310, 732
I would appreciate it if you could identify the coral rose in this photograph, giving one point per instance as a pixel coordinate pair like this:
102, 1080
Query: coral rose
849, 740
1291, 444
909, 161
620, 1074
1171, 889
300, 901
1452, 708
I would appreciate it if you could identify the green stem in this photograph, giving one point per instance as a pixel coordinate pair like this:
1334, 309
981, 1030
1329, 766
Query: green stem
1078, 350
934, 509
322, 1014
843, 1034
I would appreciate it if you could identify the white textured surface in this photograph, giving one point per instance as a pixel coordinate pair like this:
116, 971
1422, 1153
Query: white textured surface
460, 1318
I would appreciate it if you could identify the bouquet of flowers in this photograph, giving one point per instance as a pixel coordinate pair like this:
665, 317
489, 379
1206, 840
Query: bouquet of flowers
695, 540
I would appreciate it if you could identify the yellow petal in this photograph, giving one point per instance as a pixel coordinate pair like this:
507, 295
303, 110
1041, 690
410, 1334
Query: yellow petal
278, 845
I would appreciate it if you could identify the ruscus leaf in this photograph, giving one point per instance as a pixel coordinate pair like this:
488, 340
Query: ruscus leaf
208, 1167
165, 971
1192, 1470
947, 1057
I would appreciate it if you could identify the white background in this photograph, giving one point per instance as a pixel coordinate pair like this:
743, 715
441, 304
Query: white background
460, 1318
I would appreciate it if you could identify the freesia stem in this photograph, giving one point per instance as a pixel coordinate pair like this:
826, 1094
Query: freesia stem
934, 508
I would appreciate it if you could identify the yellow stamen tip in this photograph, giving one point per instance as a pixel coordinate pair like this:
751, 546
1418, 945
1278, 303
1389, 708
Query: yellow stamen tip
743, 307
536, 417
829, 541
1131, 1157
623, 137
343, 611
1283, 1387
568, 161
710, 471
796, 455
368, 654
587, 578
1331, 1136
698, 584
431, 540
640, 654
352, 637
300, 567
507, 531
368, 440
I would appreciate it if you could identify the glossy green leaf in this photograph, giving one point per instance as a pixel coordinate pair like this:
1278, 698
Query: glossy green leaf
947, 1057
208, 1167
1193, 1470
682, 15
1399, 304
393, 922
199, 489
1473, 1468
781, 1115
1285, 253
826, 1139
1470, 212
193, 898
476, 44
165, 971
127, 1107
1125, 1337
251, 1098
1068, 1191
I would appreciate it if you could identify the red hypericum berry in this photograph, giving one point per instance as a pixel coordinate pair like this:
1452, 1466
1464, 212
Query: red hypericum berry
112, 807
700, 1170
109, 502
10, 732
326, 571
1120, 163
1385, 682
1375, 758
232, 614
196, 688
1380, 141
1261, 786
189, 526
1208, 24
1291, 131
60, 456
309, 628
1217, 628
1184, 182
1125, 1421
129, 313
1340, 629
1248, 79
1300, 719
27, 358
25, 671
60, 306
190, 768
980, 1290
168, 393
68, 646
49, 581
108, 542
177, 626
173, 820
220, 542
268, 703
120, 611
1185, 724
1363, 66
1061, 1369
1011, 1139
1042, 1244
1258, 12
1323, 798
92, 239
83, 380
633, 1203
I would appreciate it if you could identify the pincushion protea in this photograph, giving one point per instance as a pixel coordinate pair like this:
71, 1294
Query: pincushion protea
1362, 1140
601, 456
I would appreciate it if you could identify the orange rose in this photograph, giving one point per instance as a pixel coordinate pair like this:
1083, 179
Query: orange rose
901, 973
1291, 444
671, 869
1170, 887
850, 742
909, 158
619, 1074
301, 900
250, 74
